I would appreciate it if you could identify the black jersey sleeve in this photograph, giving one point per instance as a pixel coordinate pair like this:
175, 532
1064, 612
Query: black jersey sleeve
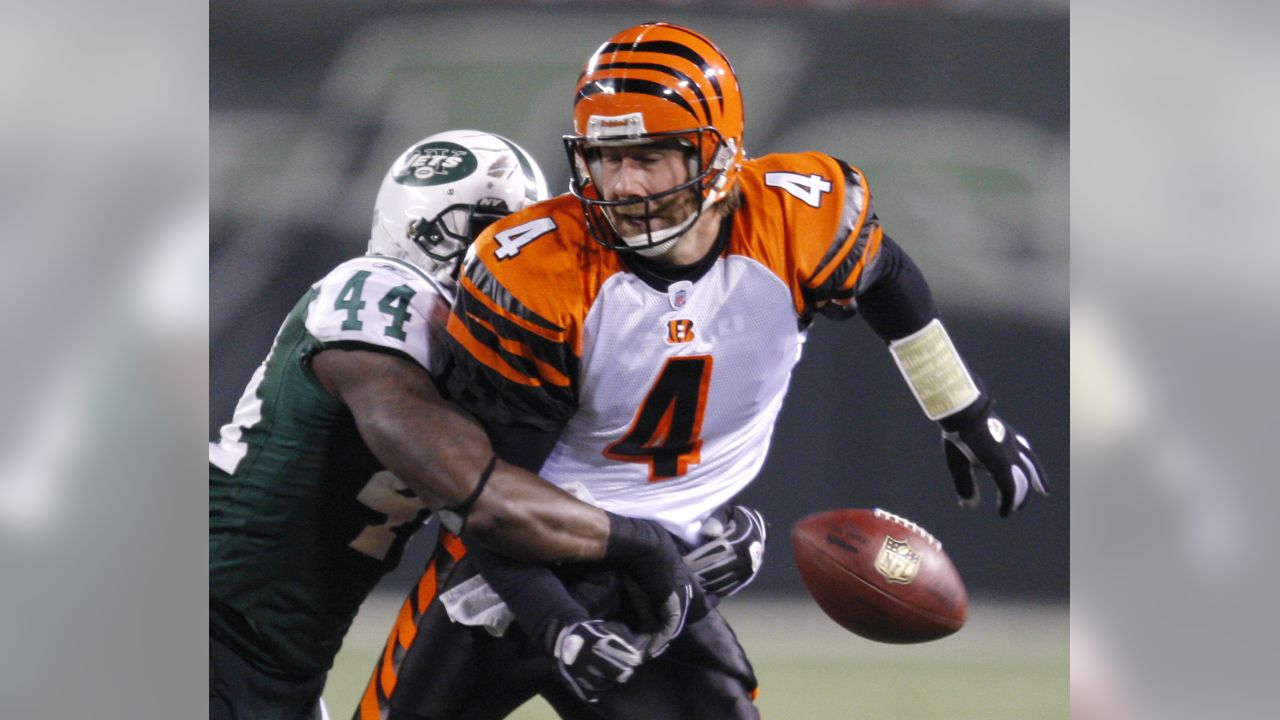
898, 301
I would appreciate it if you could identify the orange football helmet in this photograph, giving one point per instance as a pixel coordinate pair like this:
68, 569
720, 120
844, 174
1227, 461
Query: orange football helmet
652, 83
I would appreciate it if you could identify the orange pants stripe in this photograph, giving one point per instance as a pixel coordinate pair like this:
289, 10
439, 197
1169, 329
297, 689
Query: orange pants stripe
385, 674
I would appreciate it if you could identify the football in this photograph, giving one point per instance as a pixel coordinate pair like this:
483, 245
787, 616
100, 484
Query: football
879, 575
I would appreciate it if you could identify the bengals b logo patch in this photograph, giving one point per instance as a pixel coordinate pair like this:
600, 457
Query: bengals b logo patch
679, 331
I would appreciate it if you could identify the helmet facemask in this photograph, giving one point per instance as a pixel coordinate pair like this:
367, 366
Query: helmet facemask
698, 191
446, 237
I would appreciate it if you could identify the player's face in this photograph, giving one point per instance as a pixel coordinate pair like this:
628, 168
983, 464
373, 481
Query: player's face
639, 172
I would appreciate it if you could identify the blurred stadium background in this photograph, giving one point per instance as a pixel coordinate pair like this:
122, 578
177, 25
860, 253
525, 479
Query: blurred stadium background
959, 114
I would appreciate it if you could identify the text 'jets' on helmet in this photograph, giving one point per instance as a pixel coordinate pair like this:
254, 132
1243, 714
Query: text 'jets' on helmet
656, 83
444, 190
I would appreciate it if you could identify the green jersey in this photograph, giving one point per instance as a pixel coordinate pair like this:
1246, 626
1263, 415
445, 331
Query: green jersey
303, 519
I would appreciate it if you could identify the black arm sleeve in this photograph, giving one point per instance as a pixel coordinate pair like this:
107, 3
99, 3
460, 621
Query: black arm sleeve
538, 598
524, 446
899, 302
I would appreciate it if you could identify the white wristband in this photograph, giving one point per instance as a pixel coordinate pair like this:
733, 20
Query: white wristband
934, 371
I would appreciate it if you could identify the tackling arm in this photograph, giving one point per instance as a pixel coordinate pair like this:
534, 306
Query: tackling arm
441, 453
444, 455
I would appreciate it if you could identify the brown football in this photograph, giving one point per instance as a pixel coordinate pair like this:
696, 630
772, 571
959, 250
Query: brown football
879, 575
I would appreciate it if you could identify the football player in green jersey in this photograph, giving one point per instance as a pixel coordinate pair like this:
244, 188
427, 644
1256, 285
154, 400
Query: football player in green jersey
341, 445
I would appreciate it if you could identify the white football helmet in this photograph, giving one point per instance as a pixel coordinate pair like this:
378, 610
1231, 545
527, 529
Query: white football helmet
444, 190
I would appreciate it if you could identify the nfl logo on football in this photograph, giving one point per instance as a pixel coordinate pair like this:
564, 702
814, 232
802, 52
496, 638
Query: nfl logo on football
897, 562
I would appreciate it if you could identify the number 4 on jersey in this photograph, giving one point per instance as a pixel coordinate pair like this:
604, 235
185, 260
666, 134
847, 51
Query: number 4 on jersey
667, 430
808, 188
512, 239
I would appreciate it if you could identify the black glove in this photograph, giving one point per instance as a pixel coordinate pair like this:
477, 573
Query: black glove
593, 656
977, 437
733, 553
669, 594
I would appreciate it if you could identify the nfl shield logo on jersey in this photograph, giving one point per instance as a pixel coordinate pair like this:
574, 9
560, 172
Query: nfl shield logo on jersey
897, 562
678, 293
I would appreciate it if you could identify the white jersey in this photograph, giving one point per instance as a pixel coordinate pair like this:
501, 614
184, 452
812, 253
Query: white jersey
737, 339
382, 302
667, 392
368, 303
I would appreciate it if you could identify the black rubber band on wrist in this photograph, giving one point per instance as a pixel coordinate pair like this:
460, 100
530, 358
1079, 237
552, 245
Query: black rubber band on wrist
455, 518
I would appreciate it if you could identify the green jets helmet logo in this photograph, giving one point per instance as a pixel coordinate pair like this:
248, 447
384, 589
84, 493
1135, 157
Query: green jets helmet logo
435, 163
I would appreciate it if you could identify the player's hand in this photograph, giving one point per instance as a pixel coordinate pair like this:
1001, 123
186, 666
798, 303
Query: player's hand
978, 438
730, 558
685, 604
593, 656
668, 594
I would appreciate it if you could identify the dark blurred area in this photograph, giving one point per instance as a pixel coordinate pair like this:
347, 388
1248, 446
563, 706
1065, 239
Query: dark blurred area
960, 121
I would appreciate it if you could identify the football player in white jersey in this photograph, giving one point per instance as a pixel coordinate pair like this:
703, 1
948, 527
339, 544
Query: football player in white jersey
646, 324
341, 444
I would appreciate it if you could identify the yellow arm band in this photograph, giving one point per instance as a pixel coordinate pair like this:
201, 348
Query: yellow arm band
934, 371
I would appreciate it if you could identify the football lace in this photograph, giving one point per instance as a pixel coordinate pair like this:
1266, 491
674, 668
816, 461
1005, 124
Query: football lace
886, 515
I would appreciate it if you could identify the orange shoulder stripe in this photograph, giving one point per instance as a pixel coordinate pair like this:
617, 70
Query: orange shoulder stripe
791, 227
475, 292
555, 276
515, 347
484, 354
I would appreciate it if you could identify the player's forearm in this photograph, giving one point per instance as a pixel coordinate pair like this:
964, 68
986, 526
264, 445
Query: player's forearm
517, 513
524, 517
441, 453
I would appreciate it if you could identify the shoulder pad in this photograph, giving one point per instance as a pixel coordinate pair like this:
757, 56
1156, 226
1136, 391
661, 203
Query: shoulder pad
812, 220
540, 262
378, 301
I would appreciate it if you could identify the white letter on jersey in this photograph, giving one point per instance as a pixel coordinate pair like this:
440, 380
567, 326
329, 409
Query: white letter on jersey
510, 241
808, 188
